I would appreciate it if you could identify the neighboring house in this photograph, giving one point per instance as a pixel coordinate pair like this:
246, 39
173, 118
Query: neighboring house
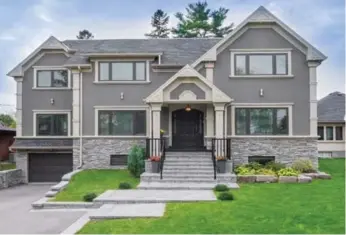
331, 125
85, 103
6, 140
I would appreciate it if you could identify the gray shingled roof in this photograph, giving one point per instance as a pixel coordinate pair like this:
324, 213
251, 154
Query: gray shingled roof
332, 108
180, 51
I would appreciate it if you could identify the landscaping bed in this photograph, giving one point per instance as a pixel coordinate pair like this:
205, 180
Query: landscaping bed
94, 182
315, 208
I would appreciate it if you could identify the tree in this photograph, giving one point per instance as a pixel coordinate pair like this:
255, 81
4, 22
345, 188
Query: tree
201, 21
7, 120
159, 22
85, 34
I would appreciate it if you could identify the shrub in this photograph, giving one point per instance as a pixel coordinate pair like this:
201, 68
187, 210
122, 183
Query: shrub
225, 196
135, 161
254, 165
221, 188
275, 166
242, 170
304, 166
124, 185
264, 171
89, 197
288, 172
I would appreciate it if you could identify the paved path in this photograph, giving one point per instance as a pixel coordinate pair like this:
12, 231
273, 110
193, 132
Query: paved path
16, 215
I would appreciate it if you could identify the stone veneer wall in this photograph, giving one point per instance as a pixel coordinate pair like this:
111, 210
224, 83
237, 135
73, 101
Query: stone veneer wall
10, 178
97, 151
285, 150
22, 163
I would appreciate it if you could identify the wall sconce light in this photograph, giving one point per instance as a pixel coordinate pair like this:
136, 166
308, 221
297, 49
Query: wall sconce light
122, 95
51, 101
187, 108
261, 92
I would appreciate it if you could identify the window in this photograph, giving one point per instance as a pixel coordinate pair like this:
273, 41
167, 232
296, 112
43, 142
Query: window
52, 124
261, 64
320, 132
261, 121
122, 71
339, 133
52, 78
122, 122
330, 132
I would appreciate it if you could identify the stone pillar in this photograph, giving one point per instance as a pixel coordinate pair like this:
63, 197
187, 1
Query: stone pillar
313, 96
19, 106
219, 128
156, 125
22, 163
209, 71
76, 103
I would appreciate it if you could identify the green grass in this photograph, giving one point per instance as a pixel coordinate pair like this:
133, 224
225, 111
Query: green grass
94, 181
318, 207
7, 166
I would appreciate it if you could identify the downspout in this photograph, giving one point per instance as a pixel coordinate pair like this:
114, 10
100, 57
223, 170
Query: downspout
80, 118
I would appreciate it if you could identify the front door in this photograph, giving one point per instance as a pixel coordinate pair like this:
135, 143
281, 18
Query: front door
187, 129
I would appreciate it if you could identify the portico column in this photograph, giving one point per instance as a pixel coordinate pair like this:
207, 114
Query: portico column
313, 96
209, 71
76, 103
219, 128
19, 105
156, 125
210, 124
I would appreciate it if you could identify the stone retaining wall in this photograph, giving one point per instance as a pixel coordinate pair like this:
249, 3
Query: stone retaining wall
285, 150
97, 151
10, 178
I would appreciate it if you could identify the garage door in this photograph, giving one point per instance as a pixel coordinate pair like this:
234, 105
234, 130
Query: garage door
49, 167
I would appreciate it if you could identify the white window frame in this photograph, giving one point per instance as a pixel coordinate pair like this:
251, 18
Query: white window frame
97, 109
51, 68
234, 52
324, 140
263, 105
98, 81
36, 112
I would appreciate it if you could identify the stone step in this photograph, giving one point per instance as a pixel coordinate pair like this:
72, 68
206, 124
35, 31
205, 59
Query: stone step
181, 186
51, 193
188, 154
188, 171
155, 176
192, 180
60, 186
180, 158
187, 160
188, 164
188, 167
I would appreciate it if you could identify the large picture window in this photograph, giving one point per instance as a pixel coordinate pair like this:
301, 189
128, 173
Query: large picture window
122, 71
260, 64
261, 121
121, 122
52, 78
51, 124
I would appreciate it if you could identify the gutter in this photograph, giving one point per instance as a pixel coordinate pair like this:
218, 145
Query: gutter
80, 118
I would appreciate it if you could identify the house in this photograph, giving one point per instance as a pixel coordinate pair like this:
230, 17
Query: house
6, 140
85, 103
331, 125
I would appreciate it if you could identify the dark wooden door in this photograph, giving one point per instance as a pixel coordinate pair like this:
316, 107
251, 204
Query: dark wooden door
49, 167
187, 129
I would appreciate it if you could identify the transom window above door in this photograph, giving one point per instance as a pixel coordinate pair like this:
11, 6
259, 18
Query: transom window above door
122, 71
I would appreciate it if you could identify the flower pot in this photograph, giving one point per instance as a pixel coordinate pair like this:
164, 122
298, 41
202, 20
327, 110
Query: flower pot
221, 166
155, 167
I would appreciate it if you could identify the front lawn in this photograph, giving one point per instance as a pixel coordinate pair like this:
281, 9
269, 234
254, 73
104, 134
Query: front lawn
94, 181
318, 207
7, 166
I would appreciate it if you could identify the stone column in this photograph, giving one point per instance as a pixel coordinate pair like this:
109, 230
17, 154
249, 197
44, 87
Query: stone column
19, 105
156, 125
219, 128
209, 71
313, 96
75, 103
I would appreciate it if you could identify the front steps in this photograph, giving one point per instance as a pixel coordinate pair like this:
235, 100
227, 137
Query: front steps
187, 170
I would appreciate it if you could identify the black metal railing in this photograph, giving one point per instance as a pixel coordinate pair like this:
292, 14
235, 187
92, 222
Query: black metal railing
213, 157
221, 149
156, 147
163, 155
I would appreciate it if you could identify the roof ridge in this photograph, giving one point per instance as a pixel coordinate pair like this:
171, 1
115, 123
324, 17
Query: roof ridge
148, 39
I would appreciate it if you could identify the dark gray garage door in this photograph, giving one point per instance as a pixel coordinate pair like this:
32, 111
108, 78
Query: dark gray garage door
49, 167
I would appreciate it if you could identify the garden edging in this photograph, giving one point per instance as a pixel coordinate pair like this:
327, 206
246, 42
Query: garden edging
54, 190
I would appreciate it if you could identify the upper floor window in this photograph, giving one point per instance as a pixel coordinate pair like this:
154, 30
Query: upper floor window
52, 78
261, 121
122, 71
51, 124
330, 133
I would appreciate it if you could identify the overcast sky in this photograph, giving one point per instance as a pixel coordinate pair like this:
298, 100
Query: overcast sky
25, 24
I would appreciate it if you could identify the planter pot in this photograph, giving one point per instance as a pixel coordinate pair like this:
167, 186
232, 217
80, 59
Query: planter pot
155, 167
221, 166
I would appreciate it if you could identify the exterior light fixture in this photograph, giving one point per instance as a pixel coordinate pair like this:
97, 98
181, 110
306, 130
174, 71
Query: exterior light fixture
187, 108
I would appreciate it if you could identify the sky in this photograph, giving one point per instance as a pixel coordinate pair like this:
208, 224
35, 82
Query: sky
25, 24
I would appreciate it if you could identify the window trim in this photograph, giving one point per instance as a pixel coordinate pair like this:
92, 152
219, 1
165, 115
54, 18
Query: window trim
51, 68
98, 71
36, 112
248, 52
288, 106
121, 108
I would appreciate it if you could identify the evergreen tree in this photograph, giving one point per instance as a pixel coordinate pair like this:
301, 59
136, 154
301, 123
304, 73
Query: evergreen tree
159, 22
85, 34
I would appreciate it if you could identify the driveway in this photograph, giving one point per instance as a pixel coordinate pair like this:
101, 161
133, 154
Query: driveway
16, 215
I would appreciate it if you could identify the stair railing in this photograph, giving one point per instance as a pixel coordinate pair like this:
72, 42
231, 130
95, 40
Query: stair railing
213, 157
163, 155
221, 147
